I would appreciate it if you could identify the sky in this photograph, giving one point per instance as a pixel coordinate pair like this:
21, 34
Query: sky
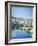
25, 12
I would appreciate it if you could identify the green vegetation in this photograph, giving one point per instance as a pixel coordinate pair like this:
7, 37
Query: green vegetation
18, 26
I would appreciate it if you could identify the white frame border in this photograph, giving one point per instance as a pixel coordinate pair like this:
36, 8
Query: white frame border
34, 25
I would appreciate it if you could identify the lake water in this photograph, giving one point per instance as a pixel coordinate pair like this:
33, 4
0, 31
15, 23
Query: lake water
20, 34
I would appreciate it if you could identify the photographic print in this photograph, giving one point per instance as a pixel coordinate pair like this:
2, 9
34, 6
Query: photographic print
20, 22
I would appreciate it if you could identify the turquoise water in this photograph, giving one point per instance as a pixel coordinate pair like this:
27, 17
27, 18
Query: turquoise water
20, 34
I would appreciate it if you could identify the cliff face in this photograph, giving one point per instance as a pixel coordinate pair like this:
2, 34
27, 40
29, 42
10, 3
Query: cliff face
23, 21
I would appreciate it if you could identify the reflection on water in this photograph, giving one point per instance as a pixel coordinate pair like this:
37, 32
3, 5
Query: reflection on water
20, 34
